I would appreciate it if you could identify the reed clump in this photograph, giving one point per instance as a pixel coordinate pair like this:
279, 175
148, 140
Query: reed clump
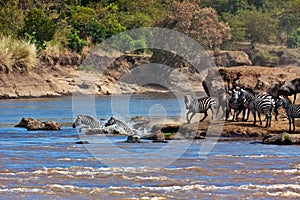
17, 55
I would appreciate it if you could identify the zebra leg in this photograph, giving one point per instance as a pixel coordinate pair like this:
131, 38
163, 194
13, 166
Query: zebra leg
290, 125
254, 117
258, 114
191, 117
248, 114
205, 115
293, 120
187, 116
212, 113
236, 114
268, 121
82, 127
227, 113
276, 113
295, 95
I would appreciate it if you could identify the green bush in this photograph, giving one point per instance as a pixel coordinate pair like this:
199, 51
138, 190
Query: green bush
293, 40
38, 27
75, 42
265, 58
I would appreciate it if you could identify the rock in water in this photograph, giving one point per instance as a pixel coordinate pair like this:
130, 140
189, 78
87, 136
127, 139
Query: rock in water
33, 124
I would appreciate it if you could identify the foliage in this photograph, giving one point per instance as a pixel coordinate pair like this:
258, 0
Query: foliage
38, 28
202, 25
237, 26
75, 42
11, 18
70, 24
265, 58
293, 40
16, 55
260, 26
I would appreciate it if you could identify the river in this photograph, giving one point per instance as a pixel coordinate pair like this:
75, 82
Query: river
51, 165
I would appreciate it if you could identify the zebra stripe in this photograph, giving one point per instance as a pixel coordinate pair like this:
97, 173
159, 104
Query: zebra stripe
86, 121
121, 127
265, 105
199, 106
233, 103
292, 110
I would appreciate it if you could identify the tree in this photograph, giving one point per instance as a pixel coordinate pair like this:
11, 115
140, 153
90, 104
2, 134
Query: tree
293, 40
38, 27
201, 24
260, 26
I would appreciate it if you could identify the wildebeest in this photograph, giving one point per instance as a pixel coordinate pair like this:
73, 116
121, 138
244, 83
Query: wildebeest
287, 89
290, 88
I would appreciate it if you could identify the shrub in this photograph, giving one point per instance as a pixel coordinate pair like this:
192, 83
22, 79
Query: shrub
293, 40
75, 42
38, 27
6, 60
265, 58
16, 55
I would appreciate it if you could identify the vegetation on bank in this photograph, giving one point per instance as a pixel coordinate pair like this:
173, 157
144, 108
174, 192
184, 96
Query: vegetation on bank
77, 26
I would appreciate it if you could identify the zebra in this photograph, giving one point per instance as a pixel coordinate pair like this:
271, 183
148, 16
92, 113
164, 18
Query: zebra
121, 127
86, 121
292, 110
262, 103
247, 96
232, 103
199, 106
222, 101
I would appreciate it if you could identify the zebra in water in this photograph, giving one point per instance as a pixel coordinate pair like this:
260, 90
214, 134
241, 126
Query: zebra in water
292, 110
262, 103
121, 127
199, 106
232, 103
88, 122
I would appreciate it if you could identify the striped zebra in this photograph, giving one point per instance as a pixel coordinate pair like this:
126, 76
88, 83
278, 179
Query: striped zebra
199, 106
121, 127
292, 110
262, 103
248, 96
87, 122
232, 103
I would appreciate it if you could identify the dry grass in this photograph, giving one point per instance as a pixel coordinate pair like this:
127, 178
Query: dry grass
16, 55
6, 60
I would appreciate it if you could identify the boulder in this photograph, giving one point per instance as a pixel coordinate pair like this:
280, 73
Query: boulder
33, 124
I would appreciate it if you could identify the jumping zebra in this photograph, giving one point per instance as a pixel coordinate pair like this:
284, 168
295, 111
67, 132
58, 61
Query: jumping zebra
232, 103
88, 122
199, 106
121, 127
262, 103
292, 110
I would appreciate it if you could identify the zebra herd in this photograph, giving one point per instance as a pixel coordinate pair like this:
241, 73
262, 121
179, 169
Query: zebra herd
243, 100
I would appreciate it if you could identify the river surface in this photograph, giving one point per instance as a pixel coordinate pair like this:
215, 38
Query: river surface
51, 165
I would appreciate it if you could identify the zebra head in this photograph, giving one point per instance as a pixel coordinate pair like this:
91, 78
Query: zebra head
77, 121
188, 101
110, 122
234, 95
283, 101
242, 96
